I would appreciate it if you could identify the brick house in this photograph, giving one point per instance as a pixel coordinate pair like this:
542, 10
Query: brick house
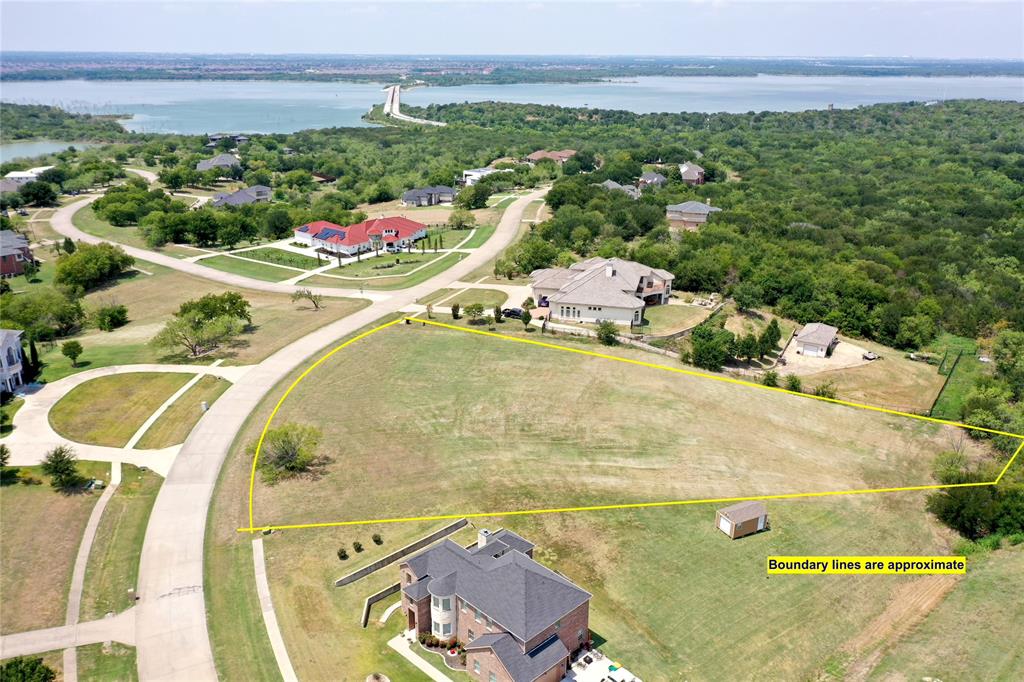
14, 253
519, 621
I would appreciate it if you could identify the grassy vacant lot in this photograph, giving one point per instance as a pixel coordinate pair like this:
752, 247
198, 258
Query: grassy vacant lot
388, 283
482, 234
99, 663
269, 273
96, 412
151, 300
174, 425
449, 237
281, 257
489, 297
974, 634
114, 560
87, 221
34, 574
517, 427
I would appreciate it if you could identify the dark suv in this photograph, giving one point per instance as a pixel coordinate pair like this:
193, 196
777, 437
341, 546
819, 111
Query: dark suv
516, 313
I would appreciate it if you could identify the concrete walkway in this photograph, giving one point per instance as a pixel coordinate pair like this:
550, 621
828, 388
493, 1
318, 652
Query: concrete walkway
404, 647
81, 561
284, 664
119, 628
172, 638
389, 610
33, 436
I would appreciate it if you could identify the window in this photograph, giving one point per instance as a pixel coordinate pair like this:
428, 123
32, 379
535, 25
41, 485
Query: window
476, 667
491, 677
579, 637
462, 607
446, 604
446, 629
470, 636
435, 628
490, 624
478, 615
436, 601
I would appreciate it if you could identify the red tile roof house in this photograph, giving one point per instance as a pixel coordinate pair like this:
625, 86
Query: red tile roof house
518, 621
361, 237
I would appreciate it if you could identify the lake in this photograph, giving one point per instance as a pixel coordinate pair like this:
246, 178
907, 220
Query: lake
30, 148
194, 107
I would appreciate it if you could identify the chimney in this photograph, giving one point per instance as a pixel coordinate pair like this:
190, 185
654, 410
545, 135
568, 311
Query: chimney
482, 536
609, 270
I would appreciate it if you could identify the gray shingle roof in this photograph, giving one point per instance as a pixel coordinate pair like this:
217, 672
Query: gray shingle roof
11, 241
817, 333
219, 161
241, 197
690, 171
523, 667
744, 511
652, 177
693, 207
588, 283
512, 589
9, 336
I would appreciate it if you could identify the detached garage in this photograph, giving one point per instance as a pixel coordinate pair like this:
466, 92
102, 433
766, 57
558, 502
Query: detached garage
742, 519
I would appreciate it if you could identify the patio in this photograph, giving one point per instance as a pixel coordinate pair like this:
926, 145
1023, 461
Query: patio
599, 669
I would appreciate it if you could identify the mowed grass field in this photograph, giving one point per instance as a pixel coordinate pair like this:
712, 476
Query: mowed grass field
508, 426
174, 425
528, 427
975, 634
36, 564
97, 413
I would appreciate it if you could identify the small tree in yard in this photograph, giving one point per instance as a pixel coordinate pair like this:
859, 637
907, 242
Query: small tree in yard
606, 333
26, 670
110, 316
357, 546
342, 553
71, 350
474, 311
61, 465
196, 334
5, 455
316, 299
455, 311
793, 383
526, 318
770, 378
29, 270
497, 313
69, 245
288, 450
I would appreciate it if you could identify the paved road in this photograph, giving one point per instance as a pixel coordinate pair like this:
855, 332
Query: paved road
62, 223
393, 104
172, 640
119, 628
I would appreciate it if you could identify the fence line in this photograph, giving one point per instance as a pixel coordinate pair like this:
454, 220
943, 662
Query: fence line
399, 553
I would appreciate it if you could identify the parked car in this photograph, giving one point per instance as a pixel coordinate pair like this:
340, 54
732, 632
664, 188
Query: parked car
870, 356
515, 313
391, 248
22, 211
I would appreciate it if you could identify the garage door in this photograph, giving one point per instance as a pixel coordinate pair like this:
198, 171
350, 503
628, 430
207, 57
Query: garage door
724, 525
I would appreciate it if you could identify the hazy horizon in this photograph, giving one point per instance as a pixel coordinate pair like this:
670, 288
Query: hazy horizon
883, 29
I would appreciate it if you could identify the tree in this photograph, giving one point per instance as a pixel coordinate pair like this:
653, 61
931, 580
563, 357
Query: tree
277, 224
43, 313
38, 193
26, 670
197, 334
61, 465
770, 378
971, 511
5, 452
71, 350
455, 311
1008, 354
29, 269
92, 265
497, 313
315, 299
288, 450
747, 295
793, 383
712, 347
461, 219
69, 245
474, 311
607, 333
110, 316
748, 347
210, 306
526, 318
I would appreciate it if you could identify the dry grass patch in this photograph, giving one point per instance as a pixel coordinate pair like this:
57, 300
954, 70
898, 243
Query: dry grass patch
174, 425
99, 413
41, 530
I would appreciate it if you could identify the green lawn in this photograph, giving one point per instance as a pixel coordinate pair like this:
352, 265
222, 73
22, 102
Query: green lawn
270, 254
519, 447
87, 221
389, 283
449, 238
56, 366
268, 273
34, 574
666, 319
114, 665
97, 411
482, 234
385, 265
174, 425
488, 297
975, 634
8, 410
963, 378
113, 566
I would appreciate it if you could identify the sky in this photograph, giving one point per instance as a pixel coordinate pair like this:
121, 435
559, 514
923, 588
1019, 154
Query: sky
953, 29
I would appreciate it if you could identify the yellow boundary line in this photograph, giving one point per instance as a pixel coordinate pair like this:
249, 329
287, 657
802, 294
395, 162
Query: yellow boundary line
629, 505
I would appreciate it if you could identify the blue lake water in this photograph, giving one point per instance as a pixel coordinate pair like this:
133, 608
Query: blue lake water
30, 148
279, 107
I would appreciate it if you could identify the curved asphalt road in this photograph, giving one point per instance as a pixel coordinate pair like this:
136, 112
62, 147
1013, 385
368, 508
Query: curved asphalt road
170, 619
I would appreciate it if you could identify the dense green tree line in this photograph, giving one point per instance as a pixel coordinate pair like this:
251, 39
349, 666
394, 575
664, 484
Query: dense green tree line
27, 121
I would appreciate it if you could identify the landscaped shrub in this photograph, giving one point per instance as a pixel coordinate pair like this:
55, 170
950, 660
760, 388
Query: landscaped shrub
357, 546
288, 451
455, 311
377, 539
826, 390
342, 553
793, 383
606, 333
770, 378
111, 316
